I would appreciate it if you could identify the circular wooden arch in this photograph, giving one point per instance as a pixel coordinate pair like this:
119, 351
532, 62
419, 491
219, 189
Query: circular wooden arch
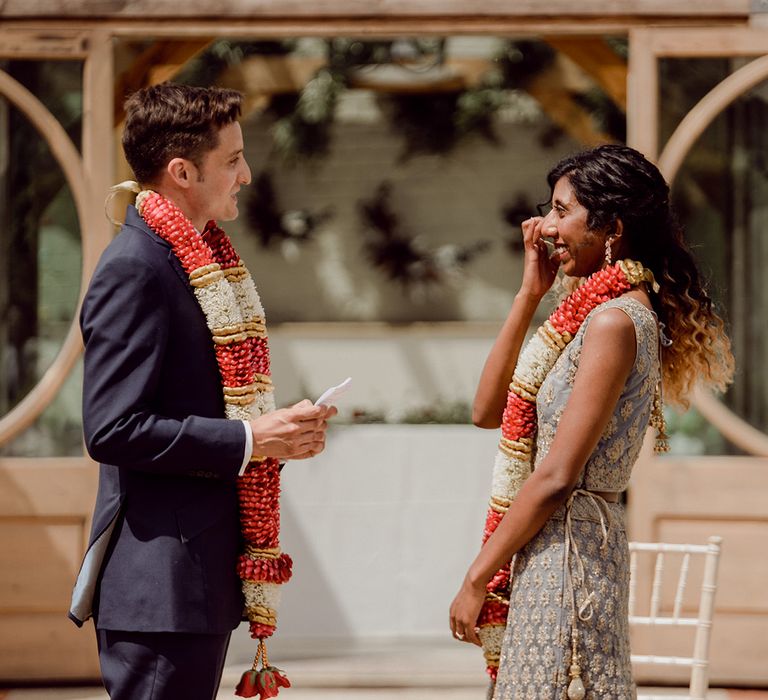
68, 157
708, 107
733, 427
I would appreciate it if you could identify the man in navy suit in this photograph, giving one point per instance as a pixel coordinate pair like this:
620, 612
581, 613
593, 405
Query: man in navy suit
160, 577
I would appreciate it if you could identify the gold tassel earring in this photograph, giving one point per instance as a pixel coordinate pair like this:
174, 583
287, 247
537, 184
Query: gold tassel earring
659, 422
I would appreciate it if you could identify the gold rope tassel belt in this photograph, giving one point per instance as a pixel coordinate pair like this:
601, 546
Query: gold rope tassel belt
584, 612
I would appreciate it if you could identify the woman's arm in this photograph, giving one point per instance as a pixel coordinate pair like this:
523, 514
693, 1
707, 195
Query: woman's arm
607, 356
538, 276
491, 394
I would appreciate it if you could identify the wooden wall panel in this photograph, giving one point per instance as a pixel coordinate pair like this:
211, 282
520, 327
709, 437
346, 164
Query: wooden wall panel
43, 647
685, 500
39, 559
743, 572
45, 509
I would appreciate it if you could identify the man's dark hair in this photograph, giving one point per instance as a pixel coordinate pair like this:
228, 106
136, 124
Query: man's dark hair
170, 121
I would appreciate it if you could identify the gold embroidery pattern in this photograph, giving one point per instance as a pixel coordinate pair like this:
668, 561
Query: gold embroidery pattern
536, 649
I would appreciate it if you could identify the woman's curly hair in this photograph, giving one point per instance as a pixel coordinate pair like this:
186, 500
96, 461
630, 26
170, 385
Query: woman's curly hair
615, 182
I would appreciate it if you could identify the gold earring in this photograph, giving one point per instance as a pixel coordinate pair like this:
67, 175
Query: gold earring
608, 254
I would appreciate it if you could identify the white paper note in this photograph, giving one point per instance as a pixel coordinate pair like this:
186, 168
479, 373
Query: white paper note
329, 396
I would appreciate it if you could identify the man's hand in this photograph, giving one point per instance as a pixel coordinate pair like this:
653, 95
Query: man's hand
297, 432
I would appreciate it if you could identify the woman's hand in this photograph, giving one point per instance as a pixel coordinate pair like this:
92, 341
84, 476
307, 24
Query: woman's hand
539, 271
538, 275
465, 610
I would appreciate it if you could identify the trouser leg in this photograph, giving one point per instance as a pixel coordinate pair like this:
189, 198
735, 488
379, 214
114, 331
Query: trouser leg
161, 665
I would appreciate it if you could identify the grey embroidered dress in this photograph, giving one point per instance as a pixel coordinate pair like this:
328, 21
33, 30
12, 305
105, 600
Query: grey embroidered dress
581, 552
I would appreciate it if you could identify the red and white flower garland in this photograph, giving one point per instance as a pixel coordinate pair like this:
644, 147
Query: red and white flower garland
235, 317
518, 430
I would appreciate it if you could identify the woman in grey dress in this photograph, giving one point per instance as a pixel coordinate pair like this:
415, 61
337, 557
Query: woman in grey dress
566, 635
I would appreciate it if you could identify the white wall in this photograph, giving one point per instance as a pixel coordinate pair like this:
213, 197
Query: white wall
394, 368
382, 527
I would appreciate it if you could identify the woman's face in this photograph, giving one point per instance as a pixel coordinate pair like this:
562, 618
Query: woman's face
579, 250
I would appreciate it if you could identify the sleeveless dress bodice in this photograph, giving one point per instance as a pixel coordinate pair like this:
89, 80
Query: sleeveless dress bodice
610, 465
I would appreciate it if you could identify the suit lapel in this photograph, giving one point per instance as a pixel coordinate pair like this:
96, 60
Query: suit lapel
179, 270
133, 220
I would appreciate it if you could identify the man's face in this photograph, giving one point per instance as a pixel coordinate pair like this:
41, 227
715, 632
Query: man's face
222, 172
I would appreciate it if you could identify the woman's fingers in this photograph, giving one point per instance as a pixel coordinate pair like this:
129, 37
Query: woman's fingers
462, 628
457, 629
529, 228
465, 633
470, 635
536, 237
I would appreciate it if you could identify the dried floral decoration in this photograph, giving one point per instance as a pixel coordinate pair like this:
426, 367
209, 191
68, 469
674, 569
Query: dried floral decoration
400, 256
286, 230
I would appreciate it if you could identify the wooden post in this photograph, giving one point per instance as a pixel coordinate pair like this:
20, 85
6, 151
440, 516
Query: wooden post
4, 254
643, 95
98, 142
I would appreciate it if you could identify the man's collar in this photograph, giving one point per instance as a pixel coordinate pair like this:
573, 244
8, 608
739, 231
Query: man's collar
134, 220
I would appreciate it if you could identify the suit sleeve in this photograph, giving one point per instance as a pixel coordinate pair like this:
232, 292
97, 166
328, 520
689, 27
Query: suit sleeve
125, 321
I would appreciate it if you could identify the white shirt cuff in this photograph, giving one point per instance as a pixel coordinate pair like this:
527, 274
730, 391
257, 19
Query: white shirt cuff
248, 445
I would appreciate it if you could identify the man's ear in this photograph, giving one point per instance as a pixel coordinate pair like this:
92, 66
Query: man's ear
182, 172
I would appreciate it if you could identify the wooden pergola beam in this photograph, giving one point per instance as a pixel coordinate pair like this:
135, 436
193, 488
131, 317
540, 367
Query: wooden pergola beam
17, 32
555, 97
156, 64
376, 8
599, 61
262, 76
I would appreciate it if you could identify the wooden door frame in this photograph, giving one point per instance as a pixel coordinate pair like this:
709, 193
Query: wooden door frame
647, 47
49, 499
698, 496
85, 174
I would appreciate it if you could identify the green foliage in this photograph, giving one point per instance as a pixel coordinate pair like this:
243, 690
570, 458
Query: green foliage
439, 413
365, 416
429, 123
451, 413
606, 115
619, 44
435, 123
522, 60
302, 128
475, 108
206, 68
691, 434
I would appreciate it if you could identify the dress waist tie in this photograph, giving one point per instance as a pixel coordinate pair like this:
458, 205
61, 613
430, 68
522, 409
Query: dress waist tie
577, 582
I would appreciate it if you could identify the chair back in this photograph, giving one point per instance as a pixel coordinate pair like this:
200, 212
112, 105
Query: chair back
660, 619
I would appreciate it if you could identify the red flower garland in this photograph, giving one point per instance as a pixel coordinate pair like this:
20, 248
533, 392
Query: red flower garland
242, 355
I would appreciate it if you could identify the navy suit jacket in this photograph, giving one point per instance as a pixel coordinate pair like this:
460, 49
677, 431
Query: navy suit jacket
166, 514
